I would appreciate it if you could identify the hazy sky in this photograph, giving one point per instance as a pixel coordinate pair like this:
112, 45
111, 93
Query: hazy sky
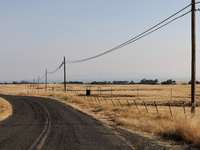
36, 35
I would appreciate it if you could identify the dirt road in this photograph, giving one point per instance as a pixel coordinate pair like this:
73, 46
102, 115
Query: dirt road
46, 124
41, 123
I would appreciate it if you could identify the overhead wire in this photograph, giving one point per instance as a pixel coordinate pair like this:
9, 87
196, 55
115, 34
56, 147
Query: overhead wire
52, 72
43, 76
143, 34
161, 26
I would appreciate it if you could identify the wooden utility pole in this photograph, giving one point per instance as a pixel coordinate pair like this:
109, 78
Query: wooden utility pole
193, 74
38, 82
64, 76
33, 83
46, 81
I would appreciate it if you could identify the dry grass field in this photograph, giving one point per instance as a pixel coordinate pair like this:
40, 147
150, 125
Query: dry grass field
162, 110
5, 109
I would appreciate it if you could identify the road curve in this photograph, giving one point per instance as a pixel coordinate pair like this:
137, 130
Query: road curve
46, 124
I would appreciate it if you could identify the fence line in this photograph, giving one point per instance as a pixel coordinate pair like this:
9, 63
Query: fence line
136, 102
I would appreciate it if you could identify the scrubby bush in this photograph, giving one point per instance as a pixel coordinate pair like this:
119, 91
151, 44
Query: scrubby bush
197, 82
144, 81
169, 81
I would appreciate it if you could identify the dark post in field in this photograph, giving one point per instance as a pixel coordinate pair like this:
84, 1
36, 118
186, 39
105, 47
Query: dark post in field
170, 109
64, 76
193, 74
105, 101
112, 102
145, 107
156, 107
136, 105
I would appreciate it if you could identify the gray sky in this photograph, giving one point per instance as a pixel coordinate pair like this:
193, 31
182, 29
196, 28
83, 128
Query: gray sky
36, 35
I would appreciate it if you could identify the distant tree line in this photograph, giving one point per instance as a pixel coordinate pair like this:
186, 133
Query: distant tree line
102, 82
75, 82
114, 82
143, 81
169, 81
197, 82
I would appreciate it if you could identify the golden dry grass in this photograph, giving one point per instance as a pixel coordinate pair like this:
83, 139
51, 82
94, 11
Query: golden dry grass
5, 109
179, 126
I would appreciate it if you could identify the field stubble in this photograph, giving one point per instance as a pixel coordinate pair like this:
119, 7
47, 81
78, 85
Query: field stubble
129, 106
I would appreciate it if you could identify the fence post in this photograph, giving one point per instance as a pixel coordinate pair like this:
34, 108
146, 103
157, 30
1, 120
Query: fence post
120, 103
99, 100
156, 107
111, 91
128, 103
136, 105
170, 109
145, 106
112, 102
184, 110
171, 94
95, 99
105, 100
91, 99
88, 98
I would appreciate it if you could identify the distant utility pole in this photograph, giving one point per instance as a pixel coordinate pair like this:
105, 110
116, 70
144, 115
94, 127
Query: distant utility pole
33, 83
64, 75
193, 74
46, 81
38, 82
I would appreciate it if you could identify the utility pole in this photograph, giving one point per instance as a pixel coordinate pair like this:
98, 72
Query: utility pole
33, 83
64, 75
46, 81
193, 74
38, 83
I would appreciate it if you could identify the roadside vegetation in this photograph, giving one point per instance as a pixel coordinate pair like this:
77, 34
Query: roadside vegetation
5, 109
180, 125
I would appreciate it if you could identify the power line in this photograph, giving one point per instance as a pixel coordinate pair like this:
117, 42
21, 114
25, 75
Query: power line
56, 69
160, 26
51, 72
43, 76
143, 34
